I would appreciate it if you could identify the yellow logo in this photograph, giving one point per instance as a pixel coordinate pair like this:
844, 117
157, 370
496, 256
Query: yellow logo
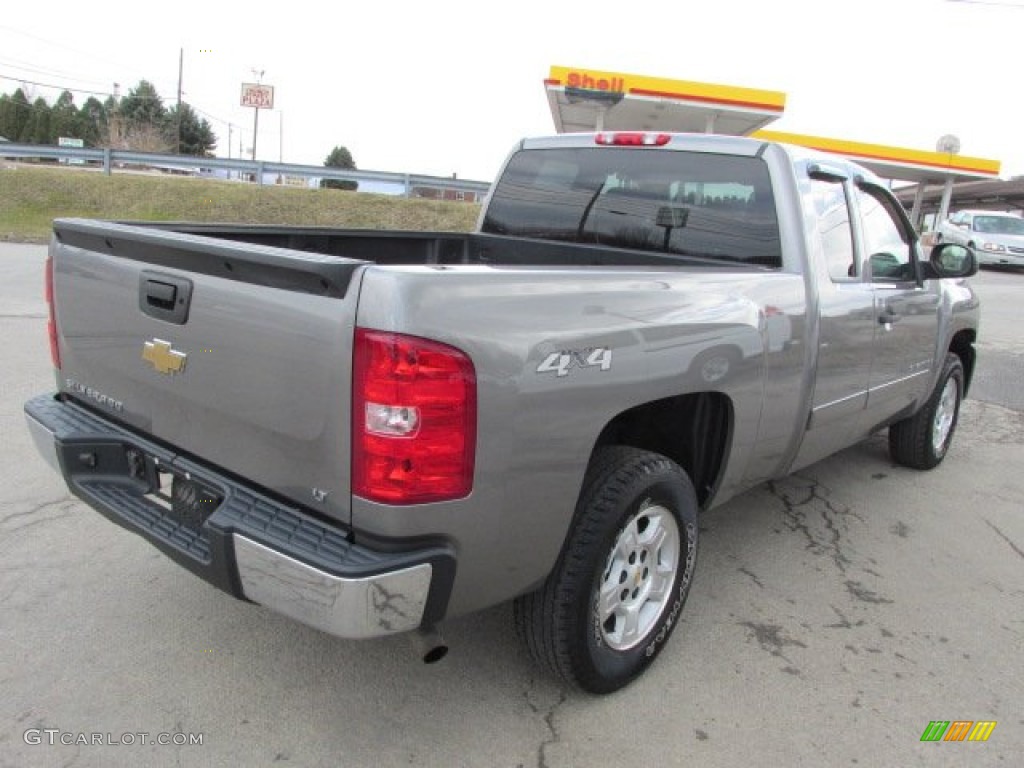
159, 354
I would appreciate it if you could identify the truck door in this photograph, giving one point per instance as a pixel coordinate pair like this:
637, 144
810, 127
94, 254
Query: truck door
846, 321
906, 310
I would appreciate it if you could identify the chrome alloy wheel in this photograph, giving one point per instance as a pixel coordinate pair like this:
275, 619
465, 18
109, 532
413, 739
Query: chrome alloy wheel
945, 412
638, 577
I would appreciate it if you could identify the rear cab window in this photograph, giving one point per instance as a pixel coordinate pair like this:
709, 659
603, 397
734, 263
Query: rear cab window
697, 204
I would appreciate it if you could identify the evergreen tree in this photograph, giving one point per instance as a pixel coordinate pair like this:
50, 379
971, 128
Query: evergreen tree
92, 121
37, 129
143, 105
195, 136
15, 112
340, 157
64, 118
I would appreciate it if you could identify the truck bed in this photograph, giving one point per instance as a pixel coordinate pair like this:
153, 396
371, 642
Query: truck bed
392, 247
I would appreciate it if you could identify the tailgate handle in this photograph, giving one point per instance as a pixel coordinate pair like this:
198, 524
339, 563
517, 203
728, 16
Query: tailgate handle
161, 295
165, 297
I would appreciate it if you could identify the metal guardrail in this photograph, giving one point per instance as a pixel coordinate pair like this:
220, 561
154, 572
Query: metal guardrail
109, 159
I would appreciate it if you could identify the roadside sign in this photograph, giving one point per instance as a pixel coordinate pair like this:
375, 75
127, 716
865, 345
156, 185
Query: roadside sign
64, 141
257, 95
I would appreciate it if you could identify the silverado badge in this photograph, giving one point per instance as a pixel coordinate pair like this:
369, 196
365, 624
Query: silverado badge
159, 354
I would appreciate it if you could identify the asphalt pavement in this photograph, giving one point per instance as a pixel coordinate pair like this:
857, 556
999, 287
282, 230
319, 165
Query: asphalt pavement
835, 614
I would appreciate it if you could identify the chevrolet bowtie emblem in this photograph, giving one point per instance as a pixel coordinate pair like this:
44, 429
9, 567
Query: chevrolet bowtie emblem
159, 354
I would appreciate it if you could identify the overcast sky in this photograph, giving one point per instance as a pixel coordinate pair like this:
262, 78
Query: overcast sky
446, 86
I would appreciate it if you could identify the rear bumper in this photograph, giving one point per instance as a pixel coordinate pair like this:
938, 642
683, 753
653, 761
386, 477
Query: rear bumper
1000, 259
250, 545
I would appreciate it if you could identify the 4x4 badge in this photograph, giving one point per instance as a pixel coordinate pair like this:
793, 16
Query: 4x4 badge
163, 358
560, 363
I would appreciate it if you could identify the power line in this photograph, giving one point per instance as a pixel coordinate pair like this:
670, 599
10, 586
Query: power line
40, 84
119, 66
994, 3
25, 66
91, 92
91, 54
52, 85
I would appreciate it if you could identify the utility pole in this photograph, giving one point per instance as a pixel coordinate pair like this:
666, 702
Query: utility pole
181, 67
280, 142
256, 113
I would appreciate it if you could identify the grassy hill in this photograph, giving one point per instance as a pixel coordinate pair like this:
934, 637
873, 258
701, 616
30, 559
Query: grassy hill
31, 197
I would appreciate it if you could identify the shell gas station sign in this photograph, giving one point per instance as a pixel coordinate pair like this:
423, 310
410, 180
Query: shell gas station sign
583, 99
724, 96
588, 99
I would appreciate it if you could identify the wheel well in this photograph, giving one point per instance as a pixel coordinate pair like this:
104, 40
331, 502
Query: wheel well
962, 346
693, 430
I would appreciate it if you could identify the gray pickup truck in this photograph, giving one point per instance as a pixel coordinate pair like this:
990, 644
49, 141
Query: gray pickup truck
370, 432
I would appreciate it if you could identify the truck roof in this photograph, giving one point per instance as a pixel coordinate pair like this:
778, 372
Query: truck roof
698, 142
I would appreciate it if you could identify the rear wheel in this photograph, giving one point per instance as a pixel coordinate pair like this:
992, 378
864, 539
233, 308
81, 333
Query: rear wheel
618, 588
921, 441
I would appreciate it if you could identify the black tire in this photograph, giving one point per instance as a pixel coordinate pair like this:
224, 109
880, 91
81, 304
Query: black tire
921, 441
631, 502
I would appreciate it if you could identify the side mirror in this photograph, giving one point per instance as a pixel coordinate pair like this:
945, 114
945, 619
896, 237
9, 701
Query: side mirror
950, 260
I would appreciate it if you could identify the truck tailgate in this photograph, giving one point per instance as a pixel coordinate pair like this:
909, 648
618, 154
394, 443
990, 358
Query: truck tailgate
236, 354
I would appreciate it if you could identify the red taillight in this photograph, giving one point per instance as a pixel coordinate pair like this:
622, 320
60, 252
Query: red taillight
632, 139
51, 323
413, 419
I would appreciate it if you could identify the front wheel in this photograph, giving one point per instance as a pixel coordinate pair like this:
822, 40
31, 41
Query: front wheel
921, 441
617, 590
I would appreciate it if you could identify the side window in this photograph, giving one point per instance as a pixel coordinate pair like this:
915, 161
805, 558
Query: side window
834, 228
885, 240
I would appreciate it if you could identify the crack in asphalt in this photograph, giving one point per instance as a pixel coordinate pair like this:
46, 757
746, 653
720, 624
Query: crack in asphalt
862, 593
63, 504
548, 716
813, 495
1005, 538
752, 577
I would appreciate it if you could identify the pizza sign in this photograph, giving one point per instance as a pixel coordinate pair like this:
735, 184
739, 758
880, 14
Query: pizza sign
257, 95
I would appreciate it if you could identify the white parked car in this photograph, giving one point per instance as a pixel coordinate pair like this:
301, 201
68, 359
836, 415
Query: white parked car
997, 238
